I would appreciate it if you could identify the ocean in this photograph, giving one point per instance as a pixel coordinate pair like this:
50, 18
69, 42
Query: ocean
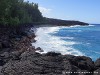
74, 40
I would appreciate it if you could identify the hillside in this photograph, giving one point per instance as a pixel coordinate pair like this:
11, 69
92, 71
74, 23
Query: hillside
60, 22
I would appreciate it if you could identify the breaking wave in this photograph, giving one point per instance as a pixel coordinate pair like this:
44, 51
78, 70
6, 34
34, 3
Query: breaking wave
53, 43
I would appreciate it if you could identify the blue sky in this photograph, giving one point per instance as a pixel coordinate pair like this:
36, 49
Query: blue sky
82, 10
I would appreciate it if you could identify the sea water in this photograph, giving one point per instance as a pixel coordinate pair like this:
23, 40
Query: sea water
74, 40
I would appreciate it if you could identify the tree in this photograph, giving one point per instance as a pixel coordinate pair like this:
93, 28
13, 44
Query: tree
18, 11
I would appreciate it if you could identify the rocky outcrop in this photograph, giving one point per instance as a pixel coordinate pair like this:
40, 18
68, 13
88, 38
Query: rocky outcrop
20, 58
60, 22
32, 63
97, 63
14, 41
84, 63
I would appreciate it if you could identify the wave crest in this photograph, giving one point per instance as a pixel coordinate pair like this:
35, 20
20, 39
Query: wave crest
53, 43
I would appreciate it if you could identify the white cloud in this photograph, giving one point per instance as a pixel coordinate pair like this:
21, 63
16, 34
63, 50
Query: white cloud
44, 10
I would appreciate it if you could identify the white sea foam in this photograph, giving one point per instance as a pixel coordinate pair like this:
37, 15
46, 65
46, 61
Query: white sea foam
81, 26
75, 26
53, 43
92, 25
67, 38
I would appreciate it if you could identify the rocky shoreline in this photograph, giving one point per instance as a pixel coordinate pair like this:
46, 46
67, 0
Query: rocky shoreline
18, 57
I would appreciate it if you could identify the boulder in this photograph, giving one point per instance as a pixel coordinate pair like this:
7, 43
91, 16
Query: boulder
68, 57
52, 54
39, 49
97, 63
31, 35
84, 63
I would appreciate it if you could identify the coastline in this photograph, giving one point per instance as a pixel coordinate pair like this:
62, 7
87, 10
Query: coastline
22, 57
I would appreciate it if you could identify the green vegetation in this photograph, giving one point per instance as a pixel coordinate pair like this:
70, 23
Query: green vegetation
15, 12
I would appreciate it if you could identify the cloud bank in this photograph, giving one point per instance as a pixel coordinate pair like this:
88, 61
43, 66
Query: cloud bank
45, 11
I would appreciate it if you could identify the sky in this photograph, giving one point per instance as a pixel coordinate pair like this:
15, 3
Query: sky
81, 10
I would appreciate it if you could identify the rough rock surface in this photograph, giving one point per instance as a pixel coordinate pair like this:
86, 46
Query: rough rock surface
32, 63
97, 63
18, 57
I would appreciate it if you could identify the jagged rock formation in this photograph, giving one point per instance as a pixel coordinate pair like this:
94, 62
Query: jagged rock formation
32, 63
18, 57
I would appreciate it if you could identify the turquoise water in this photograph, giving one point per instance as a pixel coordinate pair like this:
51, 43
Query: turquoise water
74, 40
